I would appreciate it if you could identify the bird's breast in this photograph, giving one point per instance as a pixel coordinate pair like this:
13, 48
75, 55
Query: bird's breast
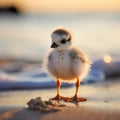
62, 66
68, 65
62, 61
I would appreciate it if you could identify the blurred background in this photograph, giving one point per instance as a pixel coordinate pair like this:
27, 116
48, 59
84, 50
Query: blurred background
25, 28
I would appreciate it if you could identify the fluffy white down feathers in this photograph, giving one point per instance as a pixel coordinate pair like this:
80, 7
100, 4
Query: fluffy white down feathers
66, 61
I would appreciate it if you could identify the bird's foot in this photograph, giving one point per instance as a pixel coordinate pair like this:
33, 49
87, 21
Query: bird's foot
58, 97
75, 99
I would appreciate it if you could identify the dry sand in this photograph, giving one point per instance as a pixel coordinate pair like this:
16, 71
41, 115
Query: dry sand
103, 103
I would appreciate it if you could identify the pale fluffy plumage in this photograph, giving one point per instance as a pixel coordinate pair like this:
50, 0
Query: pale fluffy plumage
66, 61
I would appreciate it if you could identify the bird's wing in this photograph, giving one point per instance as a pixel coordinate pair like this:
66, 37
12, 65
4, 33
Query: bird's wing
83, 58
79, 55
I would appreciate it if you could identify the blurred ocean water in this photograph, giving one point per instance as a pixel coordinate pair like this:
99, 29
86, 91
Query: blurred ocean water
27, 37
32, 76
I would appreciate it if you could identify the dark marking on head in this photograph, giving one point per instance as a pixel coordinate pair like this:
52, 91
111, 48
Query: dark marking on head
69, 38
62, 32
63, 41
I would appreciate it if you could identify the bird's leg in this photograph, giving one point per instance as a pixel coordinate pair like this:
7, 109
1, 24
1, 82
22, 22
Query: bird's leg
75, 98
58, 97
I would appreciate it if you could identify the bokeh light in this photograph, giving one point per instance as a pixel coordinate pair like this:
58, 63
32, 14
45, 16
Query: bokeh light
107, 59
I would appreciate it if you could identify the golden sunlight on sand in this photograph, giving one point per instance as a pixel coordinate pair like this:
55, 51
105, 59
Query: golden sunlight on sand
64, 5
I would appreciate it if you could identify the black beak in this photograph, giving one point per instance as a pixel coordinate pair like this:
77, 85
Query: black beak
54, 45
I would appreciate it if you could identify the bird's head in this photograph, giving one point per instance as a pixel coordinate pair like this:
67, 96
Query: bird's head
61, 39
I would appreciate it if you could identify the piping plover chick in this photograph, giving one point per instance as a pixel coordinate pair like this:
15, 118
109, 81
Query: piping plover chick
66, 62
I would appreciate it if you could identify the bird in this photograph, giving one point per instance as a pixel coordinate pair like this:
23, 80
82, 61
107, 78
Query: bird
66, 62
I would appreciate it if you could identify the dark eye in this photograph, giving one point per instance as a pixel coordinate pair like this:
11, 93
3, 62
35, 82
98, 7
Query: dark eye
63, 41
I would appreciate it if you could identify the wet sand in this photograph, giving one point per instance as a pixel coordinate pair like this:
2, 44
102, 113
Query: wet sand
103, 103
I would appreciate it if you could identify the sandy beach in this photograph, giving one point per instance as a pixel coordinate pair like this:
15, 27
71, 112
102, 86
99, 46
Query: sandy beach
103, 103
